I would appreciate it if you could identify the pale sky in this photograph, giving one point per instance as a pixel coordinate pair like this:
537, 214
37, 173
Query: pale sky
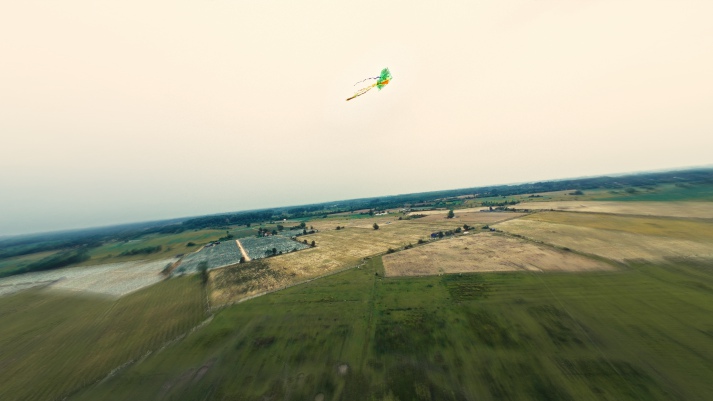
114, 112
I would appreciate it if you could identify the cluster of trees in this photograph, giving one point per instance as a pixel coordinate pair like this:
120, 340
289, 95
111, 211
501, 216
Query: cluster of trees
142, 251
228, 236
312, 244
503, 203
272, 252
55, 261
448, 233
262, 232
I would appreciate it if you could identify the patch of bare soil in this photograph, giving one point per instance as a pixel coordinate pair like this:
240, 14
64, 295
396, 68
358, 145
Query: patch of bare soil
242, 250
485, 252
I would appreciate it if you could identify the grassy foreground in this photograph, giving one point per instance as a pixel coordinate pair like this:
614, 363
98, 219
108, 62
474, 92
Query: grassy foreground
53, 344
640, 333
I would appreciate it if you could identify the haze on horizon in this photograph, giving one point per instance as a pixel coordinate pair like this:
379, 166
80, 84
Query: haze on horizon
134, 111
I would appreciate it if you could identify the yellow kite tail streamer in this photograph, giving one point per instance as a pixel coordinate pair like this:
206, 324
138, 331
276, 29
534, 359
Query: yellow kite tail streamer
362, 91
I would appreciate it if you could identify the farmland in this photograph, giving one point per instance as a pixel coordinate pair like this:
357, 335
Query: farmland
485, 252
115, 279
263, 246
491, 336
223, 254
598, 300
171, 245
617, 237
703, 210
335, 250
55, 343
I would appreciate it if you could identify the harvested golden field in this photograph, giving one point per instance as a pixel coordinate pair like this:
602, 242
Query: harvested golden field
702, 210
335, 250
615, 237
485, 252
696, 230
364, 222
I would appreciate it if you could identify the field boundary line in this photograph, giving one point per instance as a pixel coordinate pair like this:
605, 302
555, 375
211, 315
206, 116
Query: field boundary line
361, 263
611, 262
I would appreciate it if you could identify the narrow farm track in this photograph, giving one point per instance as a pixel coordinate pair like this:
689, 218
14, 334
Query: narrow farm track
242, 250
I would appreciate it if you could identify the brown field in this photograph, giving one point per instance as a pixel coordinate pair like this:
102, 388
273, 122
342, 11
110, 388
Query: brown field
473, 217
485, 252
617, 237
671, 209
335, 250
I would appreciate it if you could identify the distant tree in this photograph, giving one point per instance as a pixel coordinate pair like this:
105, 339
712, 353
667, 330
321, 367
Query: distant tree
305, 241
304, 232
421, 241
458, 230
191, 244
466, 227
339, 228
311, 227
313, 244
274, 251
376, 226
242, 259
451, 214
371, 212
274, 232
280, 227
440, 234
303, 225
247, 225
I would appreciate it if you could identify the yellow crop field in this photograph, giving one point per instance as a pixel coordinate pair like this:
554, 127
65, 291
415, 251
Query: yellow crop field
632, 238
702, 210
696, 230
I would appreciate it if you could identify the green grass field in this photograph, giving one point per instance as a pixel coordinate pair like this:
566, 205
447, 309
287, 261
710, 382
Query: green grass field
640, 333
18, 262
171, 245
53, 344
664, 193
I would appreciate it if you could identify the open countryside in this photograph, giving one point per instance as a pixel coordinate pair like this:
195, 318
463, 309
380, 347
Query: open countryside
459, 301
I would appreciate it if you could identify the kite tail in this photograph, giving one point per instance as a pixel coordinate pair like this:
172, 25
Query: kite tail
362, 91
365, 80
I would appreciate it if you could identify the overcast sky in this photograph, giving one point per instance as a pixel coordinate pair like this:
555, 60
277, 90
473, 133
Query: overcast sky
125, 111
